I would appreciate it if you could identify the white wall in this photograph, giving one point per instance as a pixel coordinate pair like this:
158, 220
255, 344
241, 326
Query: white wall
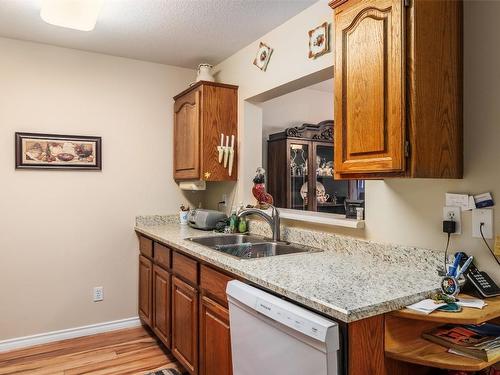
298, 107
294, 109
64, 232
402, 211
289, 69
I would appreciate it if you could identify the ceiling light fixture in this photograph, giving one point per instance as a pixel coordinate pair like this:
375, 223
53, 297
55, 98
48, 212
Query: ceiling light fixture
73, 14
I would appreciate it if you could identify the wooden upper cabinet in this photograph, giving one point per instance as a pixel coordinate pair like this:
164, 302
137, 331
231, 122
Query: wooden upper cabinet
398, 79
369, 113
201, 114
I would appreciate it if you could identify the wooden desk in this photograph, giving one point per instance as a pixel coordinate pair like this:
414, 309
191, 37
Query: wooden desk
403, 341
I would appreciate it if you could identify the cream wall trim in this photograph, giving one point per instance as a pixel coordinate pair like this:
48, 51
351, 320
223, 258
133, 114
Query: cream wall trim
43, 338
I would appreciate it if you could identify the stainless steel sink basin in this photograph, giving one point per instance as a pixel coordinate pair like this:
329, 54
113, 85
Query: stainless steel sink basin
226, 239
250, 247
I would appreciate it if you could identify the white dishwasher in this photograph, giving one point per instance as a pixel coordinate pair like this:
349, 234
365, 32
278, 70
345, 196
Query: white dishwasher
270, 336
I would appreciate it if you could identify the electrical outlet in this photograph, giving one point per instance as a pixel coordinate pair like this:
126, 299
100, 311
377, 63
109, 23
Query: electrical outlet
453, 214
483, 215
98, 293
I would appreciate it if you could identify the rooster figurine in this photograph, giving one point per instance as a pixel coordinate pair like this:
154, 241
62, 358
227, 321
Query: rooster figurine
264, 199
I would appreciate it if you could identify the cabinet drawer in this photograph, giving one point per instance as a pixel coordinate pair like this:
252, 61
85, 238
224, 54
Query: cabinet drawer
214, 283
185, 267
162, 255
146, 247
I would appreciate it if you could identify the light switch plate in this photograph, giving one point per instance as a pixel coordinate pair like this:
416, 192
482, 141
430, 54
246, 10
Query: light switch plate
453, 214
484, 215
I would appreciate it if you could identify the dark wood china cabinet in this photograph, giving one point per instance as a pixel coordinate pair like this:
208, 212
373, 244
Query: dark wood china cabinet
300, 170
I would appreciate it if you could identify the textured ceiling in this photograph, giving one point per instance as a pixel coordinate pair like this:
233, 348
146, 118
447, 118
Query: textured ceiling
176, 32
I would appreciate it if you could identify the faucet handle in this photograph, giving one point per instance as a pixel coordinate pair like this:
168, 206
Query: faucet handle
275, 211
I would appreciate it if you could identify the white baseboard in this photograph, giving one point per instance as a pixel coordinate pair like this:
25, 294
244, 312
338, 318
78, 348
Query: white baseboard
42, 338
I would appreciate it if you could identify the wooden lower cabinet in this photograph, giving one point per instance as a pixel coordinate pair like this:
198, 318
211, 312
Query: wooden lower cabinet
161, 304
145, 290
184, 303
215, 339
185, 324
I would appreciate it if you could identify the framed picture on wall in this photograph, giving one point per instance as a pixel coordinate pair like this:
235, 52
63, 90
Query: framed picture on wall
319, 40
53, 151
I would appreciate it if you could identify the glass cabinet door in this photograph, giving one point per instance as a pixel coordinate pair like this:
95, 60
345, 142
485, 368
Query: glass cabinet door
299, 176
330, 193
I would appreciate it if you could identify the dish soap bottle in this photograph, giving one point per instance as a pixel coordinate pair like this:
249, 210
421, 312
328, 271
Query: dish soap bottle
233, 221
242, 226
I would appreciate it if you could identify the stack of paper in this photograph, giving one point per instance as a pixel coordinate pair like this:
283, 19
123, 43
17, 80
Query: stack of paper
426, 306
474, 303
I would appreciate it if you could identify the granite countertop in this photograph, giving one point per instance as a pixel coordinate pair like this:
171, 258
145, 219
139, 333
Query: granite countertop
350, 280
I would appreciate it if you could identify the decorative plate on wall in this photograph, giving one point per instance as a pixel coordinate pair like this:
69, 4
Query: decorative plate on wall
263, 55
318, 40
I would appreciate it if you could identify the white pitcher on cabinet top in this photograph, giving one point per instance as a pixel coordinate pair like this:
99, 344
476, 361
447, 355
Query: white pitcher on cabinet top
205, 73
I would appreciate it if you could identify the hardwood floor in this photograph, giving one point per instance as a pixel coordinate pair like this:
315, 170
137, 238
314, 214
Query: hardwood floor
130, 351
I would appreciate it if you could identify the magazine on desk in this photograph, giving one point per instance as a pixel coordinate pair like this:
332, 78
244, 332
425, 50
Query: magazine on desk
480, 341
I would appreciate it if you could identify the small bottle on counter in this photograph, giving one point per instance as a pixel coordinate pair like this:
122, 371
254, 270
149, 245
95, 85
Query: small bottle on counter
233, 222
242, 226
360, 215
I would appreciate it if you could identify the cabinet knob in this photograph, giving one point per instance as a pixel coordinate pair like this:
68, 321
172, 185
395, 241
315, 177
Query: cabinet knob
207, 175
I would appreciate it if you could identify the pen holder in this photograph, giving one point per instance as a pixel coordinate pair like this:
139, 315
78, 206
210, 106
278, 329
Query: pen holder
220, 149
450, 286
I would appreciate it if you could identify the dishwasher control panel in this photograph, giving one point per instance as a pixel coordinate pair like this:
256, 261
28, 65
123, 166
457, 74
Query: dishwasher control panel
290, 319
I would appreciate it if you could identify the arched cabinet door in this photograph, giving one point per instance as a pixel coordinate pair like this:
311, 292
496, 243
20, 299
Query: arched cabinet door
187, 137
369, 88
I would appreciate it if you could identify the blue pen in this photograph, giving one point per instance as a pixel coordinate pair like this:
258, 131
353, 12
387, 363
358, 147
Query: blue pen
453, 269
465, 266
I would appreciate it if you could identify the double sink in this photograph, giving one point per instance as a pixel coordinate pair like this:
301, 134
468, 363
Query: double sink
250, 246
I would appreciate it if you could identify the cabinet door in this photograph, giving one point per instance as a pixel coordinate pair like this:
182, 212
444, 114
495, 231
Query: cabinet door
369, 87
187, 136
299, 182
145, 290
215, 339
161, 303
185, 324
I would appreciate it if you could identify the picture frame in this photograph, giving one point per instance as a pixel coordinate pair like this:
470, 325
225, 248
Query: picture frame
319, 40
263, 56
54, 151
